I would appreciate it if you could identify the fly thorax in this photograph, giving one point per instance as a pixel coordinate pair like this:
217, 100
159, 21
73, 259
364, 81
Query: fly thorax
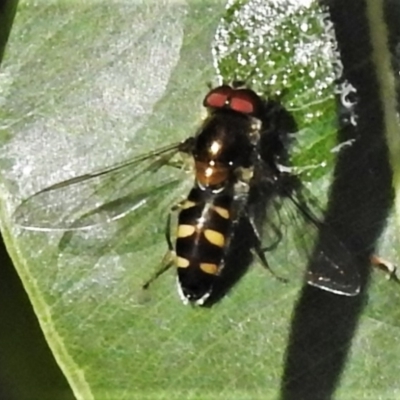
185, 162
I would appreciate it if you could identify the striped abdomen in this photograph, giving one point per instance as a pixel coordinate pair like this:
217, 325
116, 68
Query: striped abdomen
204, 227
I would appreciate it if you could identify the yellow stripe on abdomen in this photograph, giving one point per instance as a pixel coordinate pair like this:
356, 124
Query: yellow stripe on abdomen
221, 211
182, 262
214, 237
185, 230
209, 268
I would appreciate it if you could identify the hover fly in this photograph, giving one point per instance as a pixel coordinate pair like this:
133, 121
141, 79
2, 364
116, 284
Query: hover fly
239, 159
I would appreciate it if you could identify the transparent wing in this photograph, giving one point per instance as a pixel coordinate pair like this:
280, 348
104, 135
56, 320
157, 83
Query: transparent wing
102, 196
295, 218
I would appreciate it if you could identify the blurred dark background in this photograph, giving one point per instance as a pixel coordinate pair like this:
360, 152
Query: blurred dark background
28, 370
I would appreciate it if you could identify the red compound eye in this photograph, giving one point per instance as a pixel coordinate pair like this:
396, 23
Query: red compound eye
218, 97
245, 101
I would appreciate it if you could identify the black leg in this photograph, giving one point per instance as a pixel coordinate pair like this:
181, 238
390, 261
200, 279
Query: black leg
165, 266
168, 233
277, 241
271, 225
260, 251
168, 260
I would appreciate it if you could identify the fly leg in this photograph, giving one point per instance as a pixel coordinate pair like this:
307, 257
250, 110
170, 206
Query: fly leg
386, 266
170, 256
260, 251
277, 241
185, 162
261, 255
168, 234
168, 259
166, 264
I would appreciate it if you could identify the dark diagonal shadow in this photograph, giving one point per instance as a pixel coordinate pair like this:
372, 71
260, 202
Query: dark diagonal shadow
324, 324
7, 14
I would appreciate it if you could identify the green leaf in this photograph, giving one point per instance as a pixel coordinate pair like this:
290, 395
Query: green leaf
86, 85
